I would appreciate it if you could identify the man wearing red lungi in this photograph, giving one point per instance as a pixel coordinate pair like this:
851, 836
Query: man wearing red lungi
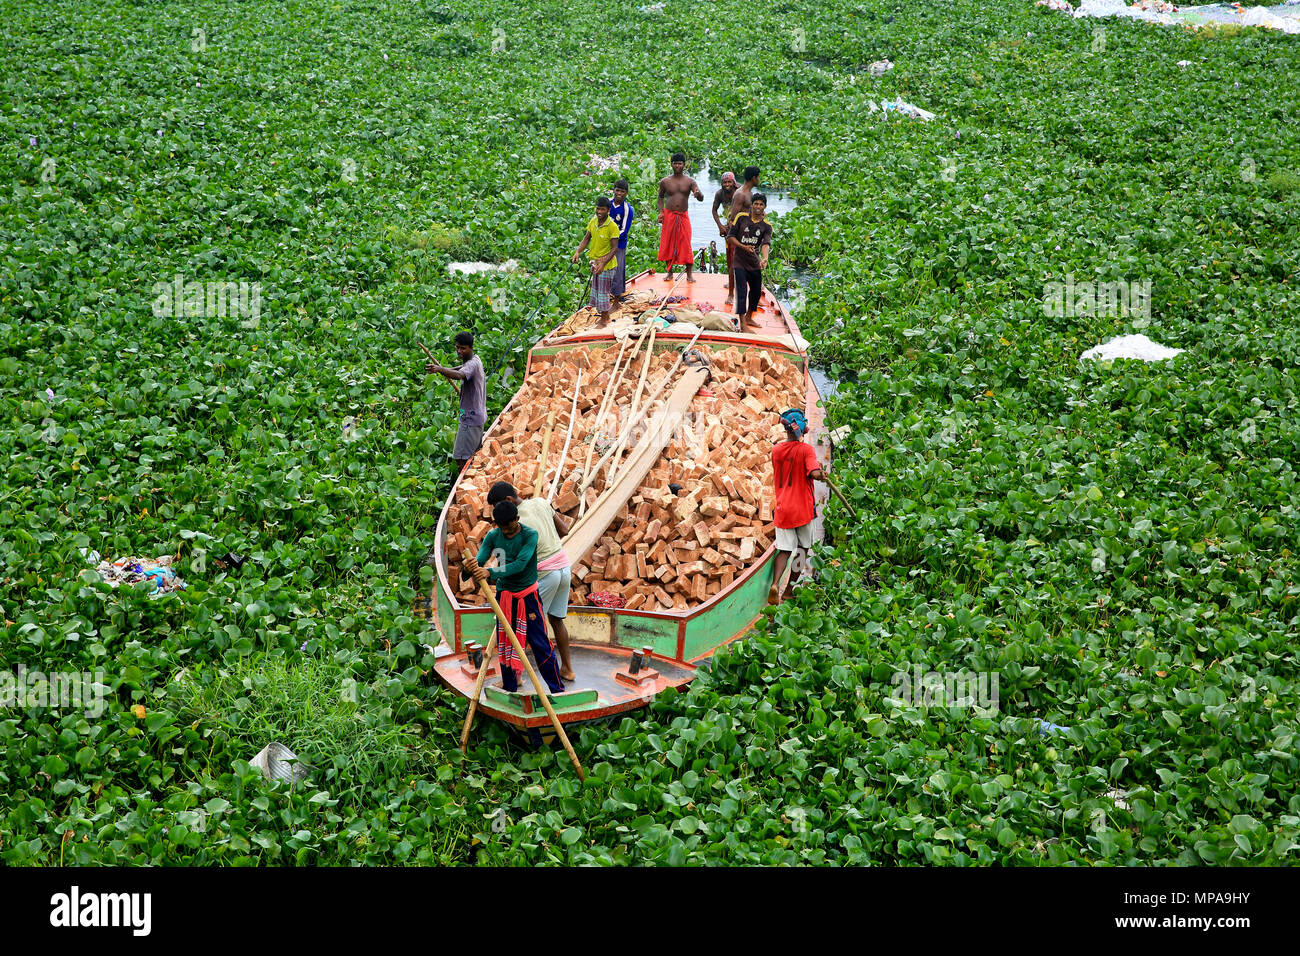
675, 193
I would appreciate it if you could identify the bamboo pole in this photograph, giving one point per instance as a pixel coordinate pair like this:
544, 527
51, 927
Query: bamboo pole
546, 449
835, 488
636, 402
454, 387
573, 416
532, 675
648, 402
478, 689
610, 388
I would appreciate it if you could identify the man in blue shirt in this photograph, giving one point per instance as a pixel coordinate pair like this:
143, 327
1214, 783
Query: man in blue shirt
621, 212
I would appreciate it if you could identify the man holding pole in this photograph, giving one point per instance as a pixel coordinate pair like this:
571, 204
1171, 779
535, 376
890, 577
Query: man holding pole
515, 548
553, 570
601, 242
473, 399
794, 468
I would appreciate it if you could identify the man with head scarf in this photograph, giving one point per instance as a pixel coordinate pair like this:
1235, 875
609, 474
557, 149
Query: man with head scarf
722, 200
794, 468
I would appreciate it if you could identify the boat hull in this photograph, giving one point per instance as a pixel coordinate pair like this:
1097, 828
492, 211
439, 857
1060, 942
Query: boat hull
605, 638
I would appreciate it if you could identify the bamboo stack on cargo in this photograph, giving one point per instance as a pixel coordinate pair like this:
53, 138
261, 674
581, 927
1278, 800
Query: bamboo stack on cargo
677, 549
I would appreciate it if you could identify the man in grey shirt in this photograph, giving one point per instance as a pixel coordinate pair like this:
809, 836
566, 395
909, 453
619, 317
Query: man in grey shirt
473, 399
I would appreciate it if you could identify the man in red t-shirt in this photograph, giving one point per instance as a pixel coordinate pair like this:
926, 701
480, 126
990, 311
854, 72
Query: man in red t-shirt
794, 467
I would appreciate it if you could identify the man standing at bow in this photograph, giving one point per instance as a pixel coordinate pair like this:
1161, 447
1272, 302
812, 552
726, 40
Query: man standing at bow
675, 193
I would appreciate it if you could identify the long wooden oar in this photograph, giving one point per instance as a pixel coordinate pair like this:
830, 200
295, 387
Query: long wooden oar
532, 675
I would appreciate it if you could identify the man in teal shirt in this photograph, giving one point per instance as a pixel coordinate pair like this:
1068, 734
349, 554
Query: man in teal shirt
515, 548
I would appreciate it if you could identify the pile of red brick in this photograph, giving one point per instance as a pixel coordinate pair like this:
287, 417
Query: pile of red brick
663, 551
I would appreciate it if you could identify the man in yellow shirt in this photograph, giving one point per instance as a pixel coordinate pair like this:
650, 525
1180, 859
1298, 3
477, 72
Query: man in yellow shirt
602, 237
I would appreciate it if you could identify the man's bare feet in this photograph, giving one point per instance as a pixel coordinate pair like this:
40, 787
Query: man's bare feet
772, 596
690, 278
568, 674
729, 300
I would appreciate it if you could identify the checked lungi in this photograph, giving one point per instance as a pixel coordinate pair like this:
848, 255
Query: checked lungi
602, 287
524, 611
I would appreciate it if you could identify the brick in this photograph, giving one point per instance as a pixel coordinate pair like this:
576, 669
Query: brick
662, 598
714, 507
566, 500
702, 534
765, 511
642, 569
727, 577
711, 557
635, 601
665, 573
652, 530
700, 587
747, 548
689, 568
581, 571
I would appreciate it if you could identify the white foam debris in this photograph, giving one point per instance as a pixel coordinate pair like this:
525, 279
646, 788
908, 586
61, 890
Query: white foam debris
473, 268
1131, 346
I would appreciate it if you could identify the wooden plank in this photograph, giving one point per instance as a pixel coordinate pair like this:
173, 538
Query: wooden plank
589, 529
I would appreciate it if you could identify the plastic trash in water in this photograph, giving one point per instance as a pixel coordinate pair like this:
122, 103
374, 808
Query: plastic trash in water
1046, 728
880, 67
278, 762
473, 268
1131, 346
905, 109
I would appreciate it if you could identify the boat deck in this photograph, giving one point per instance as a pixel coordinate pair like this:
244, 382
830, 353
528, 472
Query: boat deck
596, 692
709, 289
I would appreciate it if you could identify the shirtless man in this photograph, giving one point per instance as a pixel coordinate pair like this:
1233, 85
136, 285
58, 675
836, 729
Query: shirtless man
675, 193
722, 198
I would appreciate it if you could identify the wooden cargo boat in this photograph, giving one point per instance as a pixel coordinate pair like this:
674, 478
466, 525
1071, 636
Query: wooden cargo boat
677, 611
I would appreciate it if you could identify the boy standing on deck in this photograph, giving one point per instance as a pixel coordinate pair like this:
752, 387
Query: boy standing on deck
515, 549
554, 576
602, 236
751, 240
473, 399
794, 467
620, 210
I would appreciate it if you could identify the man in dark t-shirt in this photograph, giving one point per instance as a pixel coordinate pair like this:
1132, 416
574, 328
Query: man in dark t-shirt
750, 239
